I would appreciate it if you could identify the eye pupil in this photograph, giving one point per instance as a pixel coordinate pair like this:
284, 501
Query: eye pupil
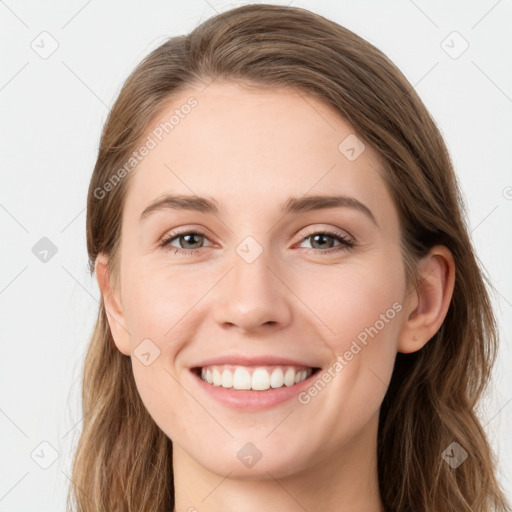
321, 237
188, 236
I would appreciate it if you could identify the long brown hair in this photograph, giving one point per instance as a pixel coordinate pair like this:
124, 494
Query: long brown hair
123, 461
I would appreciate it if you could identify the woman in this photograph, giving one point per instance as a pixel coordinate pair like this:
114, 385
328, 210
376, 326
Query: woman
324, 340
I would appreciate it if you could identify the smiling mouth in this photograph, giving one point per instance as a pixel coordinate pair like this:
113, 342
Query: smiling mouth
256, 378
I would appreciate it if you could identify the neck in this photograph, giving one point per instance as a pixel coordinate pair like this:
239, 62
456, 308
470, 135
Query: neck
344, 480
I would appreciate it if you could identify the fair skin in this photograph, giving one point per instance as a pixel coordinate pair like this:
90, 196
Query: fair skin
300, 299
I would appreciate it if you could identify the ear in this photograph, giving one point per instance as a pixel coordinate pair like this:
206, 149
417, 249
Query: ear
426, 305
113, 305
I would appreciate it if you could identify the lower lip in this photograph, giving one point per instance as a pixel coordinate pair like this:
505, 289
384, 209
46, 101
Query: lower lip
251, 400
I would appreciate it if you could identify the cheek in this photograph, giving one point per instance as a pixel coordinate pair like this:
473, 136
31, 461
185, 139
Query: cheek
156, 304
356, 303
366, 321
370, 311
162, 396
157, 301
363, 314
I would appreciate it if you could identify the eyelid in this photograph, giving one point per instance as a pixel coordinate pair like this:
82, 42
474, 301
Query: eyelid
338, 232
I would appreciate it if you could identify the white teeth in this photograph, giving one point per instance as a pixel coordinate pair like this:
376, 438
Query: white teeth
227, 379
277, 378
241, 379
300, 376
217, 379
261, 379
289, 377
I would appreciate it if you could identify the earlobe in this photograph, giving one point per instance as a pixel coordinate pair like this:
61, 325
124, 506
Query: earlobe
428, 304
113, 306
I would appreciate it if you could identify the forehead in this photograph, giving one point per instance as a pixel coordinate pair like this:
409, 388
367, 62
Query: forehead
252, 148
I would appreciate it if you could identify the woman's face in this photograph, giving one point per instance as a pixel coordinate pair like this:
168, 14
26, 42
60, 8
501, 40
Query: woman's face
274, 286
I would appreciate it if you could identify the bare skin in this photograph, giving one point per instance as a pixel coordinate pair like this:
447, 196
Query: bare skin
303, 297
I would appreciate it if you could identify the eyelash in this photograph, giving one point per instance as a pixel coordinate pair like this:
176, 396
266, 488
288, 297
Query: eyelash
346, 244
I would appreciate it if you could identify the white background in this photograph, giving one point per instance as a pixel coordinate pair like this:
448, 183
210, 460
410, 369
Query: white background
52, 112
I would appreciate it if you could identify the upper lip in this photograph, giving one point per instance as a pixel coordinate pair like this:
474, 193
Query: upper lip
241, 360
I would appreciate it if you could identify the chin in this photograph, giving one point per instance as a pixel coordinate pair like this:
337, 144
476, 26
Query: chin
246, 460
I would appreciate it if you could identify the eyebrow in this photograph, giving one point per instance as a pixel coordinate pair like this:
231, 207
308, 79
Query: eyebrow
291, 205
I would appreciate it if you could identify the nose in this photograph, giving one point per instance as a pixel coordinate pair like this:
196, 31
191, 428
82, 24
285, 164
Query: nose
253, 296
